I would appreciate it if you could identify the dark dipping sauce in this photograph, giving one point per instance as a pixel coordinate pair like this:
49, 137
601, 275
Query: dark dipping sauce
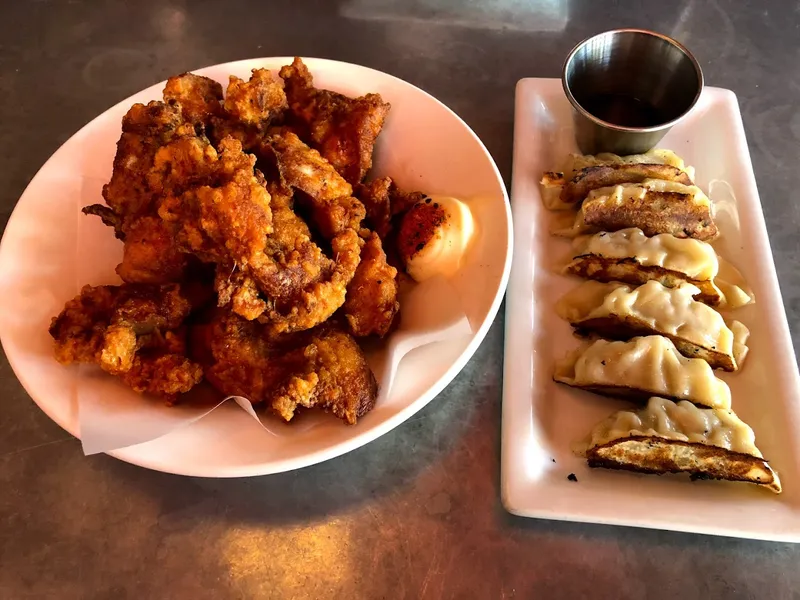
622, 110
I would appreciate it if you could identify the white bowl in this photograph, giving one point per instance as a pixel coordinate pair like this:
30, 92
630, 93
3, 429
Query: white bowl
424, 146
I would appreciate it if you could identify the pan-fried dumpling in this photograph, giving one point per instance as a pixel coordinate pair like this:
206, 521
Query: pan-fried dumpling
657, 156
584, 173
629, 256
591, 178
654, 206
620, 311
668, 437
640, 368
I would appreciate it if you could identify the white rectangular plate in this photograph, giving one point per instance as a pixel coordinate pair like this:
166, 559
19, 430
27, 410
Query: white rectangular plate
541, 419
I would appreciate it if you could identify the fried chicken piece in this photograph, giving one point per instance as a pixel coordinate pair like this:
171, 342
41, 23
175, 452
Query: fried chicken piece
258, 101
163, 375
371, 303
331, 198
133, 331
383, 201
251, 108
199, 98
240, 291
335, 377
150, 254
299, 261
186, 161
226, 222
303, 286
343, 129
323, 368
79, 329
249, 136
144, 130
230, 223
317, 303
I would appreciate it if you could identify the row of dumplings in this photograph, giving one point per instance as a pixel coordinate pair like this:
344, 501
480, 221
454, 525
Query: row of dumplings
648, 313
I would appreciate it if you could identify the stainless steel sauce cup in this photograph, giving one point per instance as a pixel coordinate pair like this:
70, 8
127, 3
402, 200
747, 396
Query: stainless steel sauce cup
628, 87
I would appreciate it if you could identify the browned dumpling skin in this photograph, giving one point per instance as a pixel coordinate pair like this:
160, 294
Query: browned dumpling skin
592, 178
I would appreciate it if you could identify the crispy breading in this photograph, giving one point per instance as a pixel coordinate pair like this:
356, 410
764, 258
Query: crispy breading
79, 329
230, 223
195, 213
318, 302
343, 129
383, 201
592, 178
163, 375
298, 261
257, 101
333, 207
184, 162
144, 130
227, 219
375, 196
251, 109
322, 368
650, 454
133, 331
199, 98
335, 377
151, 254
371, 303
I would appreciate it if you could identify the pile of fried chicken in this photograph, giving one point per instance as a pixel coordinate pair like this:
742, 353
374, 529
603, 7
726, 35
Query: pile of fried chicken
253, 249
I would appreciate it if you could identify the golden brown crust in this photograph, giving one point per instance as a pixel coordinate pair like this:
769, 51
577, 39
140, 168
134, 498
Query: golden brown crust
322, 299
323, 368
257, 101
624, 328
144, 130
334, 208
653, 213
198, 97
371, 303
648, 454
133, 331
195, 211
592, 178
343, 129
629, 270
151, 254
